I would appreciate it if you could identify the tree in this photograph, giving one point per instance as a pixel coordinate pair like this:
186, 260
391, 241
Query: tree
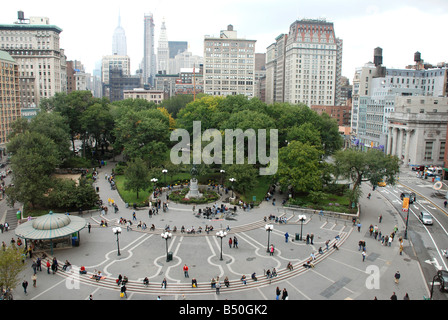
137, 176
358, 166
11, 266
299, 167
34, 157
245, 176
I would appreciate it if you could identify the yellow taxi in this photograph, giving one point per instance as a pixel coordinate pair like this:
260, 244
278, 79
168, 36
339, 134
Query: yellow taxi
382, 184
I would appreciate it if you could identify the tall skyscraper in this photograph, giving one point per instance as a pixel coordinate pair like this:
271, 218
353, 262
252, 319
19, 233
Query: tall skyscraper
163, 54
119, 46
149, 57
229, 64
305, 65
34, 44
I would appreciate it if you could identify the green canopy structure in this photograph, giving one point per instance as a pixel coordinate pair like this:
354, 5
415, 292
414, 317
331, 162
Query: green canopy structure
51, 226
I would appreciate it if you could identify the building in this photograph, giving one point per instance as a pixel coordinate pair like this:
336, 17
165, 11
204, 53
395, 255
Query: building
190, 81
304, 66
163, 54
176, 47
260, 76
229, 64
375, 89
340, 113
149, 65
34, 44
418, 130
166, 83
183, 60
9, 96
155, 96
119, 46
120, 82
114, 62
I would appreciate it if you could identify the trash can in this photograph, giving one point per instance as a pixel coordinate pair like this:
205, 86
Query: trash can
169, 257
75, 241
297, 237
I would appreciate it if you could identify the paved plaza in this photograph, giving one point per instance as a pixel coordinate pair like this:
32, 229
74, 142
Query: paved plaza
338, 274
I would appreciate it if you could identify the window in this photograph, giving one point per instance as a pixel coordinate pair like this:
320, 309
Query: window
442, 150
428, 150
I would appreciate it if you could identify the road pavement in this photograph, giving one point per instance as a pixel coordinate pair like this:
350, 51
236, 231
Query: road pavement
337, 275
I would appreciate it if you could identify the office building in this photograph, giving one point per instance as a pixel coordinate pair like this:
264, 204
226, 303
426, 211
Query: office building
229, 64
34, 44
119, 46
114, 62
149, 65
375, 90
155, 96
418, 130
9, 96
163, 55
304, 66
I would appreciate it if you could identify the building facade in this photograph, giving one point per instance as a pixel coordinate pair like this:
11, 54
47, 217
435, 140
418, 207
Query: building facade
149, 65
34, 44
304, 66
418, 130
114, 62
155, 96
9, 96
163, 54
375, 89
229, 64
119, 45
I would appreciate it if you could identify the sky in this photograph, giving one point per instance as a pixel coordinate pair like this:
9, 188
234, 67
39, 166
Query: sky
399, 27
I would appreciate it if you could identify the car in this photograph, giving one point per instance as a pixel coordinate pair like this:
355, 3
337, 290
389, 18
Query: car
425, 217
442, 277
411, 196
382, 184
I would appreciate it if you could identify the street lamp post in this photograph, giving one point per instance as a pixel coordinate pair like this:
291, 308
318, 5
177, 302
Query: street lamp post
154, 181
221, 234
164, 171
269, 228
117, 231
222, 176
302, 218
166, 235
232, 180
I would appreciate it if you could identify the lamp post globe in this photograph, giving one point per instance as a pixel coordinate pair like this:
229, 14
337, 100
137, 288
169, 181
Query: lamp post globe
221, 234
268, 228
117, 231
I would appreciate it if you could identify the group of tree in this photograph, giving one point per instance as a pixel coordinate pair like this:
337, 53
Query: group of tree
140, 131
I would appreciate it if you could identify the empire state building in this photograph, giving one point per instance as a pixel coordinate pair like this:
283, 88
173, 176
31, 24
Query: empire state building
119, 46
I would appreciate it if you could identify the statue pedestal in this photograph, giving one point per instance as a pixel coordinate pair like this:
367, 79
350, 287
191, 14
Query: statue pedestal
194, 190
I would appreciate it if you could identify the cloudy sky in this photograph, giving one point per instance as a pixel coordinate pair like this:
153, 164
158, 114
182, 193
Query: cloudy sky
400, 27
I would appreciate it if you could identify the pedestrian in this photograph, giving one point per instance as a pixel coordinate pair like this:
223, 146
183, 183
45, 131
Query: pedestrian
401, 249
271, 250
363, 256
89, 226
39, 264
397, 277
380, 218
359, 226
90, 297
235, 242
164, 283
307, 238
123, 291
134, 217
25, 285
34, 279
186, 271
230, 243
445, 203
406, 297
218, 286
286, 236
48, 266
284, 294
327, 243
393, 296
278, 292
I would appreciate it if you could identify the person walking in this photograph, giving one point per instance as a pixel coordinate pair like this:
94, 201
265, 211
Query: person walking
25, 285
284, 294
235, 242
230, 243
34, 279
278, 292
397, 277
89, 226
123, 291
393, 296
286, 237
218, 286
363, 256
186, 271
